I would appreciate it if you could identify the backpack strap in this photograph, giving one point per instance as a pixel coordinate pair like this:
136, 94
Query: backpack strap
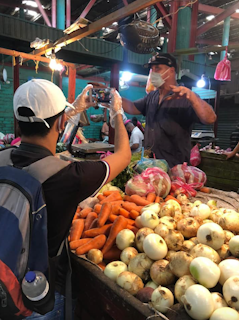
41, 170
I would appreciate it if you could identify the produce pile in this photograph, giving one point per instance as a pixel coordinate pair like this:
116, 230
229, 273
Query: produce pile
164, 251
216, 149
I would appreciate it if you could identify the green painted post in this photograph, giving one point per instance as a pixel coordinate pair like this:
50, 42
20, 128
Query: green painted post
165, 45
21, 13
61, 14
183, 28
153, 15
226, 34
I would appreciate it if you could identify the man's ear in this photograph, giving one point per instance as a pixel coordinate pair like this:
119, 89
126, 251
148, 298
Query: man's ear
63, 121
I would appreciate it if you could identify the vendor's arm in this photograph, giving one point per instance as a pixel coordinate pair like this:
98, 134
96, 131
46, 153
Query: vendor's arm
122, 153
202, 109
233, 152
134, 146
129, 107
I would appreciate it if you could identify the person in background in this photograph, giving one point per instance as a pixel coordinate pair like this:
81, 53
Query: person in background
39, 107
136, 136
137, 123
105, 132
233, 152
170, 112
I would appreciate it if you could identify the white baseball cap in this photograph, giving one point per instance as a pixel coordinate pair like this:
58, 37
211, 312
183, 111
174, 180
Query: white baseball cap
43, 97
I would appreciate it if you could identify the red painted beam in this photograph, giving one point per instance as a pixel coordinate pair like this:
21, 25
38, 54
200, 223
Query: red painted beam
114, 83
53, 13
173, 31
72, 85
148, 14
214, 10
125, 2
83, 66
43, 13
87, 8
194, 21
68, 13
220, 17
163, 12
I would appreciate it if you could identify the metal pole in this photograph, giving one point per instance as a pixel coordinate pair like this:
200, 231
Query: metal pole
61, 14
53, 13
43, 13
16, 83
114, 83
68, 13
226, 34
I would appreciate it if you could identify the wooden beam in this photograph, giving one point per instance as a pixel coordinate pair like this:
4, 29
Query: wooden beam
98, 25
72, 85
214, 10
43, 13
220, 17
87, 8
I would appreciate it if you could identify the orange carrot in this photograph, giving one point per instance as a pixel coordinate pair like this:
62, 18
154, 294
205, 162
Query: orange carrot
112, 254
127, 198
97, 208
169, 197
151, 197
113, 197
84, 212
133, 228
94, 224
158, 199
109, 192
77, 229
104, 214
143, 197
76, 216
118, 202
89, 219
69, 238
97, 231
119, 224
205, 190
128, 205
131, 222
115, 209
124, 213
112, 217
100, 197
96, 243
134, 214
77, 243
102, 265
139, 201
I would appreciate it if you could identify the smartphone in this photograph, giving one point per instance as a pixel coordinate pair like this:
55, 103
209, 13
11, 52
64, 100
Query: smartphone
100, 94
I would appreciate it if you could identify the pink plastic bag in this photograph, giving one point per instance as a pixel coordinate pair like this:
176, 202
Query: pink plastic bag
223, 70
150, 180
188, 174
195, 157
187, 188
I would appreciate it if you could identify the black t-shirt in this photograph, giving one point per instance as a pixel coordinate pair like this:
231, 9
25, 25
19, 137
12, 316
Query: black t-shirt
63, 191
168, 127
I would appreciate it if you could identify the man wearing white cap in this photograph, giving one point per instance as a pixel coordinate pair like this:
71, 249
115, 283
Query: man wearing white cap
39, 107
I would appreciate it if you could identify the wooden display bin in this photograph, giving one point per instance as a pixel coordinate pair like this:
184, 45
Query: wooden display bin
221, 173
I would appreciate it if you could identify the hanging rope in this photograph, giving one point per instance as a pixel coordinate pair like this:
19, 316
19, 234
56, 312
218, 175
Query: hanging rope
52, 74
36, 65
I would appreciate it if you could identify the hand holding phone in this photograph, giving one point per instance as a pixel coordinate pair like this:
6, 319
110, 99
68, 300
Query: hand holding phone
102, 95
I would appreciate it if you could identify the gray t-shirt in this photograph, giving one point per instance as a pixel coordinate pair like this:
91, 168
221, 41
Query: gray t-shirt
168, 127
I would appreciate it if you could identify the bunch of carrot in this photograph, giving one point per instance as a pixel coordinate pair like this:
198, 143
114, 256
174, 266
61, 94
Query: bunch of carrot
97, 228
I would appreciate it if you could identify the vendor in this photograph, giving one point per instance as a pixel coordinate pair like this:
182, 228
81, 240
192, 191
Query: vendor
136, 137
170, 112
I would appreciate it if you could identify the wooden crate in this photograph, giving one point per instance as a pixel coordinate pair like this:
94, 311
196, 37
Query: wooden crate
221, 173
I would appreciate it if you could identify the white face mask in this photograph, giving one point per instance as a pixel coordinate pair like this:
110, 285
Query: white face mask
157, 79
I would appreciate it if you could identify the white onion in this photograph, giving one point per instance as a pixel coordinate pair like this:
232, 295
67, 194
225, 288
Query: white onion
202, 250
229, 268
203, 211
225, 314
170, 254
218, 300
151, 284
155, 247
174, 240
187, 207
167, 210
140, 236
179, 263
198, 302
197, 203
124, 239
228, 236
162, 299
169, 222
127, 254
130, 282
182, 198
205, 271
224, 252
140, 265
194, 240
175, 204
138, 222
234, 246
95, 255
113, 269
149, 219
182, 285
188, 227
230, 291
161, 274
161, 230
229, 221
211, 234
153, 206
187, 245
212, 204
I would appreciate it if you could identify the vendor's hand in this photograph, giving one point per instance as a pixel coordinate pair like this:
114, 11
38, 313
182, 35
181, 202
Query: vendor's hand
180, 92
229, 154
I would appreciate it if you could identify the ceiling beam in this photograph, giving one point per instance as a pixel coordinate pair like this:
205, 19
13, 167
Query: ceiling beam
163, 12
203, 8
213, 42
220, 17
206, 49
87, 8
43, 13
125, 2
98, 24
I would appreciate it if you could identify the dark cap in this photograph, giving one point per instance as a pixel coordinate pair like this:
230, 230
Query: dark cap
162, 58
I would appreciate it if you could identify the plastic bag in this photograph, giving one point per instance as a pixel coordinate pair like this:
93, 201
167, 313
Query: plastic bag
188, 174
187, 188
223, 70
195, 157
150, 180
151, 163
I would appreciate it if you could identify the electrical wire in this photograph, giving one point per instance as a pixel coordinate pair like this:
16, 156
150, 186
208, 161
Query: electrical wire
87, 50
173, 13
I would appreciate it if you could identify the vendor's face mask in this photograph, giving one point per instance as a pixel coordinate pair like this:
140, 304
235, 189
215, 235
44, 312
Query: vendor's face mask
157, 79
